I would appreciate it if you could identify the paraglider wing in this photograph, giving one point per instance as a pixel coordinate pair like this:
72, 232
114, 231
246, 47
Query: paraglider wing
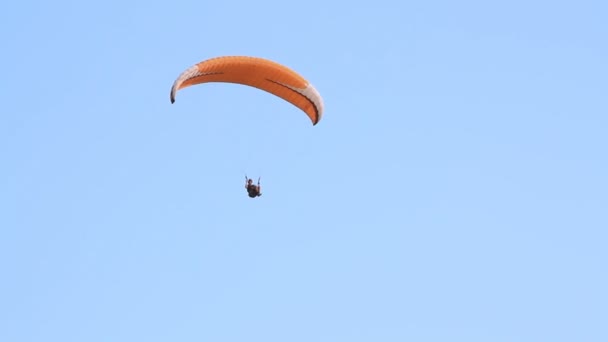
256, 72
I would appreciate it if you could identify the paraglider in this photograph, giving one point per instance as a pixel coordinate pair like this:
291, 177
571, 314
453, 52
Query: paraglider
253, 190
260, 73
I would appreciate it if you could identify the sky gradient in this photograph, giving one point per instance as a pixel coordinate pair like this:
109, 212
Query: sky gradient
455, 189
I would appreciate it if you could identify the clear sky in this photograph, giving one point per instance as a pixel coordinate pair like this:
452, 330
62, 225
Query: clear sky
455, 190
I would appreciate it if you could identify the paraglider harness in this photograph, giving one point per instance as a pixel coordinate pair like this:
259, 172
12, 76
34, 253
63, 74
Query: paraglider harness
252, 190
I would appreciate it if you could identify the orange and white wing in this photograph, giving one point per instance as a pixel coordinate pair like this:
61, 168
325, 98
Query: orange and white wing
256, 72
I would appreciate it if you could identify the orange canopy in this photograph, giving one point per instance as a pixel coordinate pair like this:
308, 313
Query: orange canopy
256, 72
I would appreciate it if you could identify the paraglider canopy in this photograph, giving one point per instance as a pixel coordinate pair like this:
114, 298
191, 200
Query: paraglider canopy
256, 72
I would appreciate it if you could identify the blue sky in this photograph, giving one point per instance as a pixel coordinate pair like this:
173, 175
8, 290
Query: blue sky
455, 189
